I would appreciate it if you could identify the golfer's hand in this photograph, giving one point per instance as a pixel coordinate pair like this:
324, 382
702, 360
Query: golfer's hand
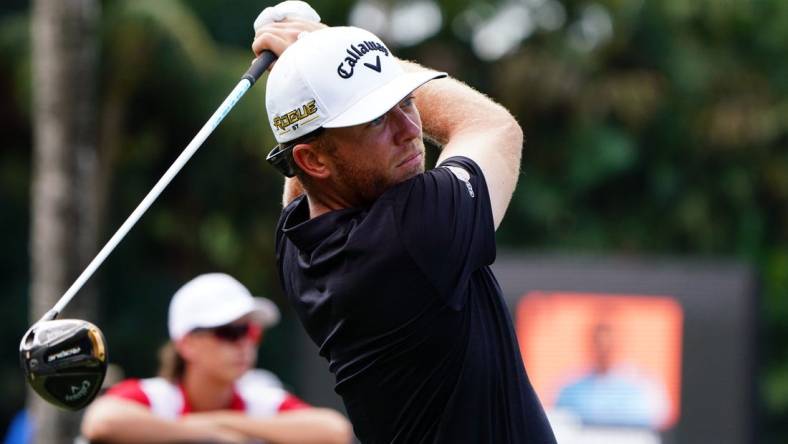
278, 36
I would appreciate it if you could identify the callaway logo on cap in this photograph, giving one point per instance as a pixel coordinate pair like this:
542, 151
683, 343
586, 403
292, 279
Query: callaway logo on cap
335, 77
355, 53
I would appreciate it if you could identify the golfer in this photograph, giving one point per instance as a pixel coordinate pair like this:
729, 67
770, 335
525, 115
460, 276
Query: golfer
206, 391
388, 266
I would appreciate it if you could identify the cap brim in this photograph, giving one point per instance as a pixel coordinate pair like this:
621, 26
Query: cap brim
378, 102
263, 311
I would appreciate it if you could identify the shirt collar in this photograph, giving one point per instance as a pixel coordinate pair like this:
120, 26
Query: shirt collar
306, 233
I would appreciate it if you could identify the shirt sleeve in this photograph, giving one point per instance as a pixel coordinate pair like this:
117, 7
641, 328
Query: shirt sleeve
263, 395
131, 390
445, 222
292, 402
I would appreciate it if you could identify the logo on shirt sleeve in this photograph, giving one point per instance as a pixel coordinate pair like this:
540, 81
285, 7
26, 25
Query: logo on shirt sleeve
464, 177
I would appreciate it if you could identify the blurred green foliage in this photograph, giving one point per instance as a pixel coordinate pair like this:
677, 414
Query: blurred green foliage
669, 138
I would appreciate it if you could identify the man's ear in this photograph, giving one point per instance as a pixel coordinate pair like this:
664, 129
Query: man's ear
311, 161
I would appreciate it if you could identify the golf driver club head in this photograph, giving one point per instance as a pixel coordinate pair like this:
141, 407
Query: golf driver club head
65, 361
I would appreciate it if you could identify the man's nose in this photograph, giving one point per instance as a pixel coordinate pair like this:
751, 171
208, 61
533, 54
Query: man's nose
408, 126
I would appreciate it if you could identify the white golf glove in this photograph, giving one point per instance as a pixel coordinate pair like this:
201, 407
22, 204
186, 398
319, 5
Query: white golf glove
288, 9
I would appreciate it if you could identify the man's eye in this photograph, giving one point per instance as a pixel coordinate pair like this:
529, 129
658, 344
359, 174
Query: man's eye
407, 102
377, 121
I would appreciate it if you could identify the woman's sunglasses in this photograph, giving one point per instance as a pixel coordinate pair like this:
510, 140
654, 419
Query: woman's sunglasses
235, 332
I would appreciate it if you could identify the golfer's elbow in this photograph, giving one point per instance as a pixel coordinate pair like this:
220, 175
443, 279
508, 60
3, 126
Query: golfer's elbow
501, 132
506, 156
514, 138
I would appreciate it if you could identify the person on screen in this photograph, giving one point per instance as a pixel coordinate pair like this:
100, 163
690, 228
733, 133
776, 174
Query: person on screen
612, 393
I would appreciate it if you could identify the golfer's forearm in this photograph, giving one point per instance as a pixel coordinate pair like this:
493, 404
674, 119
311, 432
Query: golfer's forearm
307, 426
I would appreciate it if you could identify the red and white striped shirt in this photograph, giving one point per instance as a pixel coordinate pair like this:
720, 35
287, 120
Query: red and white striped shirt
258, 393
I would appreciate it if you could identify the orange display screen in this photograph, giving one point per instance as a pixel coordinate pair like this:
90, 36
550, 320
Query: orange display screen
611, 359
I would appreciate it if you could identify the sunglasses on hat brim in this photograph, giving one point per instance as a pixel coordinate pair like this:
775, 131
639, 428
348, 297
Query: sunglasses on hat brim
281, 156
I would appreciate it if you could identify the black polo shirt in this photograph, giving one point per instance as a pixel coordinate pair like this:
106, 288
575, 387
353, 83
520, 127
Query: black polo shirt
400, 299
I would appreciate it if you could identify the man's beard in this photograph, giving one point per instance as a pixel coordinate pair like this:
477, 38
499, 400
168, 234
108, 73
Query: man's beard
366, 186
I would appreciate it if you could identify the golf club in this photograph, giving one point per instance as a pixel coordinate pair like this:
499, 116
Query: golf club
65, 360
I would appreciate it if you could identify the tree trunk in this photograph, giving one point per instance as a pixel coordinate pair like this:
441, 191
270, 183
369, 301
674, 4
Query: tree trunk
64, 215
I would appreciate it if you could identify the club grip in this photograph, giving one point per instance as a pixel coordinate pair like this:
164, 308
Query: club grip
259, 66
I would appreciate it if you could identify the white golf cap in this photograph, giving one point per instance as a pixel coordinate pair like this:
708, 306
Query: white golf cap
215, 299
335, 77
